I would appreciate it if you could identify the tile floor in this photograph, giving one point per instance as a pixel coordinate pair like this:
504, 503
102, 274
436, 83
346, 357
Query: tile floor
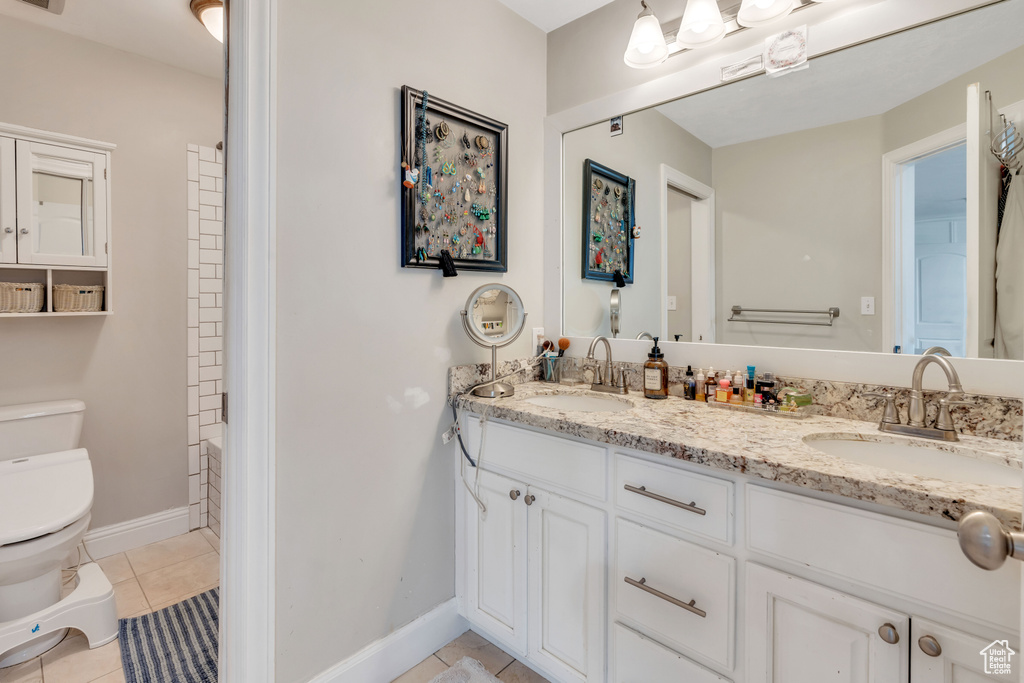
469, 644
145, 580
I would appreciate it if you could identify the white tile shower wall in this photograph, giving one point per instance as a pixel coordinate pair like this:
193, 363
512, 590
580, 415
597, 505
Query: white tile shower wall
205, 329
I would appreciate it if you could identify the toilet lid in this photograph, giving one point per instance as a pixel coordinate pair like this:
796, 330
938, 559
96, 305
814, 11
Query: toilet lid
41, 494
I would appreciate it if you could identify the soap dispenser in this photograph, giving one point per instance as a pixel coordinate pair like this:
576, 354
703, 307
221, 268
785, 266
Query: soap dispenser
656, 374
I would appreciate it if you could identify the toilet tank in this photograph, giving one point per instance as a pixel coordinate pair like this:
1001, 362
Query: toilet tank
35, 428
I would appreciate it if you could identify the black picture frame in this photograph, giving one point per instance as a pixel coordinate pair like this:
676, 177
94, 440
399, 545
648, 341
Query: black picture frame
447, 221
609, 214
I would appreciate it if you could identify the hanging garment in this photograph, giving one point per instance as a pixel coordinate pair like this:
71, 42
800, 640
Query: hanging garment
1005, 178
1010, 277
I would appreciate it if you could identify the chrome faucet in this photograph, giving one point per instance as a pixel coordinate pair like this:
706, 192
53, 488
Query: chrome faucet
645, 335
944, 428
606, 382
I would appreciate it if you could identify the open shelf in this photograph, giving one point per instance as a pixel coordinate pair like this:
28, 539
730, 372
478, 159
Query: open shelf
57, 275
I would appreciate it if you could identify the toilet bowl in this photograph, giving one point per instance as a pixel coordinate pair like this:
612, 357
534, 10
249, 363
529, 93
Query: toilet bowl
46, 493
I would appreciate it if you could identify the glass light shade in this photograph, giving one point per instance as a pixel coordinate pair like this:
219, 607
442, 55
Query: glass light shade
210, 14
702, 24
647, 45
760, 12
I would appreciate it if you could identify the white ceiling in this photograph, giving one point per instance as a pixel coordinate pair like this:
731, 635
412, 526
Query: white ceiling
548, 15
863, 81
163, 30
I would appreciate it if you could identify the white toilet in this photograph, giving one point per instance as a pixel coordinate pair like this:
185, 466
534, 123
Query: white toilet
46, 491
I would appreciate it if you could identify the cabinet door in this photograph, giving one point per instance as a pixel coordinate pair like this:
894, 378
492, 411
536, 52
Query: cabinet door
62, 205
496, 559
802, 632
939, 654
8, 213
567, 586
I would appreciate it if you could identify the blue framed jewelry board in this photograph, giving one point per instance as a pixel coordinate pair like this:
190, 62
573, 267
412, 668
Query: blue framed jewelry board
458, 201
608, 220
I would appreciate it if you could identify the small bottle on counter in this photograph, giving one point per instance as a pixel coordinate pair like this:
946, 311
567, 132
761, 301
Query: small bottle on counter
724, 390
656, 374
689, 385
749, 390
710, 384
698, 387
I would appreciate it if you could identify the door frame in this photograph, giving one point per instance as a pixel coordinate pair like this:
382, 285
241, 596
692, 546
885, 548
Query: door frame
893, 219
702, 254
247, 570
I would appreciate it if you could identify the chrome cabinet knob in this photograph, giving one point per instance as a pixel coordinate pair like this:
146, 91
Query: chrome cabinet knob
513, 494
930, 646
528, 499
24, 231
889, 634
8, 230
985, 542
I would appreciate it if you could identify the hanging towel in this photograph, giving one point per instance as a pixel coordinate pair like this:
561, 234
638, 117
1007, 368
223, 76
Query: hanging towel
1010, 277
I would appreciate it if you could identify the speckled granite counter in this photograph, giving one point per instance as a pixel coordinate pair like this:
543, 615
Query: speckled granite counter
770, 447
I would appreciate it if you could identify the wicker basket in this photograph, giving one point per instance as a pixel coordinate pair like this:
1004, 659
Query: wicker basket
77, 298
21, 297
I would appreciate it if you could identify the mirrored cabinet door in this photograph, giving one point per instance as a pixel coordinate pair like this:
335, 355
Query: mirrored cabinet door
8, 214
62, 205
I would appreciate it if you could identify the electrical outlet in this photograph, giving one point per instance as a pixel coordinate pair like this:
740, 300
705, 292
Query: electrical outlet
867, 305
671, 303
538, 334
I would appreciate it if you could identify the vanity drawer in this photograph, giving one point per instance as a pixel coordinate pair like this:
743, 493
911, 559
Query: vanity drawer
539, 458
641, 660
904, 558
679, 571
713, 497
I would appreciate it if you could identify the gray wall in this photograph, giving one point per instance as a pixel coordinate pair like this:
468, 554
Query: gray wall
129, 367
648, 140
365, 520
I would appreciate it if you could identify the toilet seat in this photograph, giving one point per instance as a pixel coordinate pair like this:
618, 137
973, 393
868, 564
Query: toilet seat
42, 494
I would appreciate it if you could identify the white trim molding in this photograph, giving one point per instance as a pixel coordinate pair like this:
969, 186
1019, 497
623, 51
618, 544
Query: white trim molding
390, 657
247, 572
135, 533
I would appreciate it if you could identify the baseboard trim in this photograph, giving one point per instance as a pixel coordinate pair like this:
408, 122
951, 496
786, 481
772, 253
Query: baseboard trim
135, 533
390, 657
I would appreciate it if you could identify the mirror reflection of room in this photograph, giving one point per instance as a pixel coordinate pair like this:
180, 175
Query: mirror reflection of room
848, 187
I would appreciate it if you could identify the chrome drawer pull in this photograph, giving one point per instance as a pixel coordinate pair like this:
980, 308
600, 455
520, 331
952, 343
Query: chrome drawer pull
642, 490
688, 606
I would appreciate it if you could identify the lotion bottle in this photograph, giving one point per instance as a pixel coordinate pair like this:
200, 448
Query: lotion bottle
656, 374
699, 386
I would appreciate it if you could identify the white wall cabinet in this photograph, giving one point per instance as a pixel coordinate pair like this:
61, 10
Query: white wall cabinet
54, 213
767, 587
535, 575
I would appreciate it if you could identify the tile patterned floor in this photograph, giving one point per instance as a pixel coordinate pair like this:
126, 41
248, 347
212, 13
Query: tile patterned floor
145, 579
469, 644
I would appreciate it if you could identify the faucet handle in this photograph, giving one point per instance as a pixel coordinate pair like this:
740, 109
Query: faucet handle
944, 420
889, 415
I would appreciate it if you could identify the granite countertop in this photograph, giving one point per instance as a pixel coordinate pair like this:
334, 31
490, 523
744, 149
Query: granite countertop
768, 446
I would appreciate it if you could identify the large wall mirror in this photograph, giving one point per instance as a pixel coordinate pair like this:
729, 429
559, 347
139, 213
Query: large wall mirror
863, 183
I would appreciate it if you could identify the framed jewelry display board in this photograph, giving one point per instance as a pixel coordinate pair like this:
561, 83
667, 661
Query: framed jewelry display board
608, 220
458, 195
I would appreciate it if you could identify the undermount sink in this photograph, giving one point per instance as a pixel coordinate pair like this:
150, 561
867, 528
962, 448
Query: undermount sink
919, 459
579, 403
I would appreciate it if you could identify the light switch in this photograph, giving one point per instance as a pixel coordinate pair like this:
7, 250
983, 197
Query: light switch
671, 303
867, 305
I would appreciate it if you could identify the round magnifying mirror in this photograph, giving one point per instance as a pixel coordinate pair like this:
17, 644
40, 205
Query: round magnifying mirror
494, 317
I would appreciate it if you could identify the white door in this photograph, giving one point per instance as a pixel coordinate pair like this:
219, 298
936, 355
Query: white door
939, 654
62, 205
802, 632
8, 214
982, 213
496, 559
567, 586
940, 261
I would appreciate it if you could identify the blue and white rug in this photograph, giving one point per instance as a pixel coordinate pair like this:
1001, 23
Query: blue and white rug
178, 644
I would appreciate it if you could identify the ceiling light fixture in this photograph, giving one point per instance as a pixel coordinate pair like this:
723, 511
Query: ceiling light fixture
647, 46
760, 12
702, 24
210, 14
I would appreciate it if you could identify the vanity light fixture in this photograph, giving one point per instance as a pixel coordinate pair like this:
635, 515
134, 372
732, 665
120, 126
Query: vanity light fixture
760, 12
210, 14
647, 46
702, 24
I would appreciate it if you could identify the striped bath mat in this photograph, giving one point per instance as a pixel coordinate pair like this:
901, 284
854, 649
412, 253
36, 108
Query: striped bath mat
178, 644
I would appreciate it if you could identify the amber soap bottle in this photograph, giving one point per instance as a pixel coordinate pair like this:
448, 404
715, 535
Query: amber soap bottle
656, 374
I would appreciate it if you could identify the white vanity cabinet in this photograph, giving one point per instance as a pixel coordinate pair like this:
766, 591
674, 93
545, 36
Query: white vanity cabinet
597, 564
54, 213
